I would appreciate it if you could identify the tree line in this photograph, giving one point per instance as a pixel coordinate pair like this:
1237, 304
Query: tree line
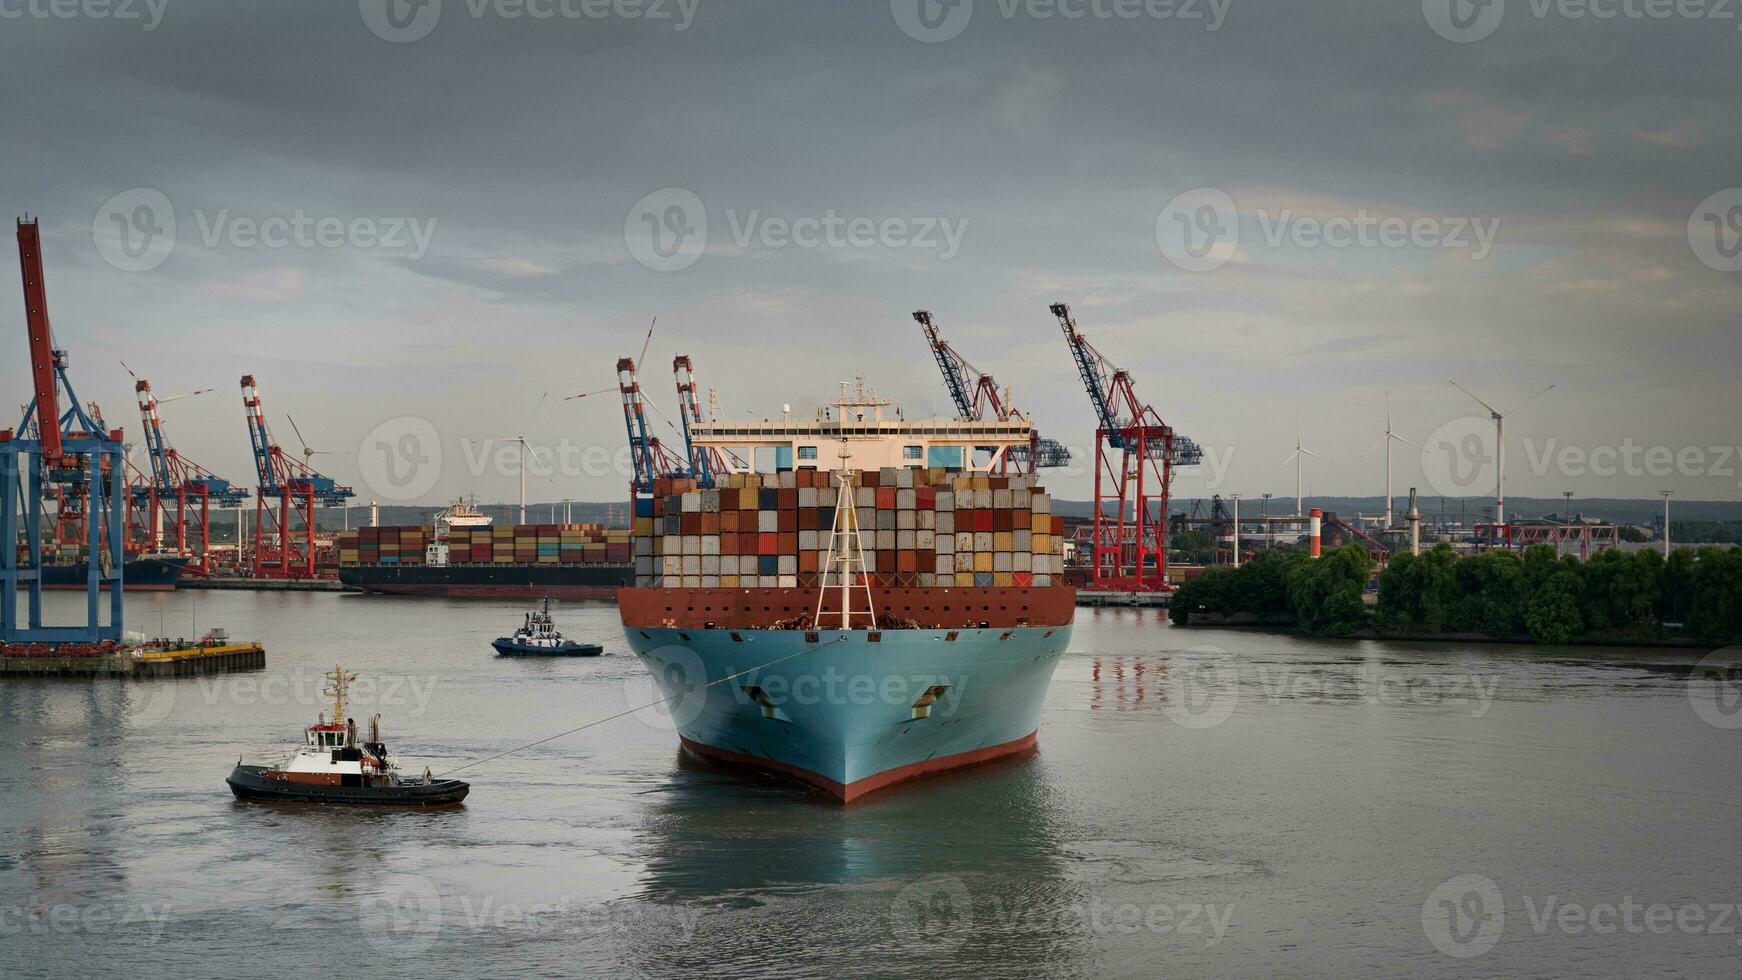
1553, 599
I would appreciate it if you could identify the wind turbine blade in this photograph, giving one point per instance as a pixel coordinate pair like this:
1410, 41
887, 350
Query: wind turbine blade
129, 371
1314, 455
644, 343
649, 403
1290, 459
185, 394
589, 394
1528, 400
1401, 439
1387, 410
1478, 401
528, 426
298, 432
1379, 443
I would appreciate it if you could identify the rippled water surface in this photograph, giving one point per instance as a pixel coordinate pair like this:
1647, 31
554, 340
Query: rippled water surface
1203, 804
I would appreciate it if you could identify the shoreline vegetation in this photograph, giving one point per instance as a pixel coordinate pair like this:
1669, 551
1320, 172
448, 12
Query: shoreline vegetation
1691, 600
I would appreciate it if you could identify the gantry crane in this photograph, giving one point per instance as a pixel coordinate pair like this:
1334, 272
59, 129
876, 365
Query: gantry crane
282, 550
176, 495
648, 457
704, 461
1136, 452
976, 393
67, 457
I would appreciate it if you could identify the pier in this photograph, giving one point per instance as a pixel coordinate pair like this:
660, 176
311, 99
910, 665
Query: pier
230, 658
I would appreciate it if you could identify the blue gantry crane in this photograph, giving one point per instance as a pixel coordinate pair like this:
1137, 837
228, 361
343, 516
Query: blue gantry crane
65, 456
976, 394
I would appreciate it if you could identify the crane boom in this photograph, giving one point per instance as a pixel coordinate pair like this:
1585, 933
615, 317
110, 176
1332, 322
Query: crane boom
44, 358
975, 392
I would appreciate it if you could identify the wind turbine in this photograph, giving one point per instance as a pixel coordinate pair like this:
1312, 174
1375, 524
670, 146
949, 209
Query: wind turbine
306, 451
1388, 438
1500, 447
1298, 457
521, 440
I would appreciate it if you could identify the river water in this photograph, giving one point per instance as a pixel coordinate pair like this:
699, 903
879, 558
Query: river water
1202, 804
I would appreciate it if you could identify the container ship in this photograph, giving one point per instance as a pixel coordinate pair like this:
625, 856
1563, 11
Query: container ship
883, 607
145, 573
464, 554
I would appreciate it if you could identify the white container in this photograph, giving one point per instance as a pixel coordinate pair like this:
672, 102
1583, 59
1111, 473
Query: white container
691, 503
944, 544
808, 540
1021, 561
982, 499
982, 540
768, 521
928, 520
925, 540
946, 564
782, 581
965, 542
1040, 503
711, 565
1001, 500
946, 501
807, 496
906, 520
905, 498
692, 565
692, 545
826, 496
787, 564
905, 541
711, 544
946, 522
885, 541
1003, 561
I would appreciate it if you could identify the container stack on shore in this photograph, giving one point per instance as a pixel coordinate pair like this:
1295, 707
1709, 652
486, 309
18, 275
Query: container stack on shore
502, 544
919, 527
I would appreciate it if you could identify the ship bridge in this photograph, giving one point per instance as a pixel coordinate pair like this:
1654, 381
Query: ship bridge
858, 423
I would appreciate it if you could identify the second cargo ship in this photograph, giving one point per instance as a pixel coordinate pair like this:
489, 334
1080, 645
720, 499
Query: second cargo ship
464, 554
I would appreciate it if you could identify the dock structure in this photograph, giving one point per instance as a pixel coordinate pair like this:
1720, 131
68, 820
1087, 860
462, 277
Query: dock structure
1099, 597
222, 583
66, 660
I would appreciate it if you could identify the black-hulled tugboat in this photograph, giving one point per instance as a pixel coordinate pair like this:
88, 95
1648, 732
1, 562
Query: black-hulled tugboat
539, 637
334, 766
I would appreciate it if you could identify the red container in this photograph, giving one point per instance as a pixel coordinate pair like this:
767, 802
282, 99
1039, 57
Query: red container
692, 523
1023, 578
907, 562
925, 498
982, 520
768, 544
787, 521
885, 498
788, 499
787, 542
1058, 526
807, 519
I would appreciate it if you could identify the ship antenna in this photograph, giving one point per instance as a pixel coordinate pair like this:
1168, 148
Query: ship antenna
340, 681
847, 549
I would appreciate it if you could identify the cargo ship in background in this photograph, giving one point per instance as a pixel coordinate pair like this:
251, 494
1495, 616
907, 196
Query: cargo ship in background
465, 554
147, 573
912, 631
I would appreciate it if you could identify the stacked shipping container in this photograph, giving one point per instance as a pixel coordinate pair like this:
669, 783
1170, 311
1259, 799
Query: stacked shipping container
920, 528
501, 544
384, 546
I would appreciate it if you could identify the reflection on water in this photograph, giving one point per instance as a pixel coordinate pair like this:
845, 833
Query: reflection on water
1200, 804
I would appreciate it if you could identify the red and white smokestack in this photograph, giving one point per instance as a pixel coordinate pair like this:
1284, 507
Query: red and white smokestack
1315, 525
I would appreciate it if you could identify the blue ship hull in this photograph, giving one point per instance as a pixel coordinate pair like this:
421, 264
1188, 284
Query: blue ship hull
847, 713
509, 648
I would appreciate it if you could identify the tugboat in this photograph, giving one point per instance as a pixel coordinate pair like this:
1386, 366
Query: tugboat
334, 766
539, 637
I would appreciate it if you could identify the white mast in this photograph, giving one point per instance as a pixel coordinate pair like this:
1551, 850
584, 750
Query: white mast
847, 549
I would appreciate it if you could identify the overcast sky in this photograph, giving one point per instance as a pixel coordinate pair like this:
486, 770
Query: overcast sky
511, 199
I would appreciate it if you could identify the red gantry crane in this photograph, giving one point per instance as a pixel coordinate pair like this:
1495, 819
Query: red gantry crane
177, 495
282, 550
976, 394
1135, 453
